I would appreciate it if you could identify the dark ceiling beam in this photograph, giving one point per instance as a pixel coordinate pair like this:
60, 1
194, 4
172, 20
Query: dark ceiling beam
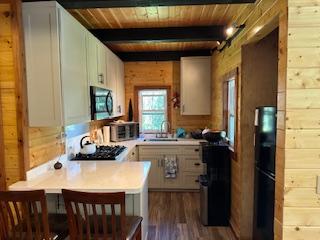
160, 56
169, 34
79, 4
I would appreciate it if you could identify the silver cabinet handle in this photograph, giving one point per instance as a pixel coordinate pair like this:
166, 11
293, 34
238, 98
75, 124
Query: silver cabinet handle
101, 78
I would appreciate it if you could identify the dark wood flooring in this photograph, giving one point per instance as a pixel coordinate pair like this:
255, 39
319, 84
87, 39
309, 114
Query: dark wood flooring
175, 215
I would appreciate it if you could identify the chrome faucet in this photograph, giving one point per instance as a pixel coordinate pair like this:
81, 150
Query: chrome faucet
164, 135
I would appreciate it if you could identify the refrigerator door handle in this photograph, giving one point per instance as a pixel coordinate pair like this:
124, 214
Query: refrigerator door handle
268, 175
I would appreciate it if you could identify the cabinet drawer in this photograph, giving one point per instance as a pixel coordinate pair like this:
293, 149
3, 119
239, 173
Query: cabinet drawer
191, 150
190, 180
193, 165
158, 150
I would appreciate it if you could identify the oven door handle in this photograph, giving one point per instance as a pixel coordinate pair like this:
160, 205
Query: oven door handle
109, 108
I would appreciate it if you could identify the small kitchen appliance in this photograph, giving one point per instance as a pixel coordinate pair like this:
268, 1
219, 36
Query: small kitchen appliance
122, 131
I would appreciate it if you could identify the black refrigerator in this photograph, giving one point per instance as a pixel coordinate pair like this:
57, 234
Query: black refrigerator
264, 185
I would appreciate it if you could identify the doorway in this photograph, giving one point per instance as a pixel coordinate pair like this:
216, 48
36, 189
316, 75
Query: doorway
259, 87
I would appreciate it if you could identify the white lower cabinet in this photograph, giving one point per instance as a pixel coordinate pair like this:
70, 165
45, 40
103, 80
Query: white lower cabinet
189, 166
132, 155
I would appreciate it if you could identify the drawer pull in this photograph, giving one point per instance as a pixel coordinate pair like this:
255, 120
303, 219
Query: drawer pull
196, 150
196, 180
197, 164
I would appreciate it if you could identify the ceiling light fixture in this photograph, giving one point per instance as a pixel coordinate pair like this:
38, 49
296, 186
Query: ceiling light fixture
230, 31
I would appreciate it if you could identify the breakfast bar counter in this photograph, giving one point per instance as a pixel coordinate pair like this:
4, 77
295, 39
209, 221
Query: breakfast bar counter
95, 176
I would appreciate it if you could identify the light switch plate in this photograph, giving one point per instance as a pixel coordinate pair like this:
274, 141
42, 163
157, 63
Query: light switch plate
318, 184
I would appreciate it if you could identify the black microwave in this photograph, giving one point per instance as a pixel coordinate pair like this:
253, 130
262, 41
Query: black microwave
101, 103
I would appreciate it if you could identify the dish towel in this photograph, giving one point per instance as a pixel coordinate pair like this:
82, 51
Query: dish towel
170, 166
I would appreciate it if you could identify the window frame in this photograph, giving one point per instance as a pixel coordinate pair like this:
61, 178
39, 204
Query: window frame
231, 76
136, 107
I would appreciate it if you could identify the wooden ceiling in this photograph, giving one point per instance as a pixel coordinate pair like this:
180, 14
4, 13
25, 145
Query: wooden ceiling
169, 46
160, 17
146, 17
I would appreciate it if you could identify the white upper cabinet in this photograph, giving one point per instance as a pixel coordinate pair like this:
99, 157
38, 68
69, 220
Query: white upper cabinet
115, 79
56, 66
196, 85
96, 62
92, 61
112, 78
120, 88
75, 89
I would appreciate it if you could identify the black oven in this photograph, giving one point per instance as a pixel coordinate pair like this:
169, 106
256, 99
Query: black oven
101, 103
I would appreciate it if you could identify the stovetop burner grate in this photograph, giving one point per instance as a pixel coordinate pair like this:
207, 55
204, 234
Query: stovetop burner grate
102, 153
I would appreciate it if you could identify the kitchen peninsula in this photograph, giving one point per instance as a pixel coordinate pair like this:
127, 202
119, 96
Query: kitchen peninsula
95, 176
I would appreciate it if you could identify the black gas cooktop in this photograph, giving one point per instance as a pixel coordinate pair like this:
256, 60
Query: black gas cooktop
102, 153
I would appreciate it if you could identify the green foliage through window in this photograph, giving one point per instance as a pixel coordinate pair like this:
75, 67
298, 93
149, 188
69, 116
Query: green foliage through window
152, 109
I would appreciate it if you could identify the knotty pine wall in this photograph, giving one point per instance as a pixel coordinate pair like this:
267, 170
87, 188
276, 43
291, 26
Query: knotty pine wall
301, 128
160, 74
11, 85
260, 19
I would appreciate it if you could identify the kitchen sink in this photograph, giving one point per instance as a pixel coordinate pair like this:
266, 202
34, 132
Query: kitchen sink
161, 140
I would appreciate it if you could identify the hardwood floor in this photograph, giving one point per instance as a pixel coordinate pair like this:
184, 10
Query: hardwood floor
175, 215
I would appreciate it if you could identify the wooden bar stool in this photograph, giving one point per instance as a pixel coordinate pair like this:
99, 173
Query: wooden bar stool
24, 215
88, 216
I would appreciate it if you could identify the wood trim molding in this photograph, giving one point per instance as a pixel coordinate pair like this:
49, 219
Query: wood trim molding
233, 74
135, 100
81, 4
2, 164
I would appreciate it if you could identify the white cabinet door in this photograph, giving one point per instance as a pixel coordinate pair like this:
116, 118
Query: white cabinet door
112, 78
73, 70
96, 62
196, 86
42, 65
120, 88
155, 178
92, 60
102, 64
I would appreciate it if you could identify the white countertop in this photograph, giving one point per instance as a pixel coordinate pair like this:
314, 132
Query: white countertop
97, 176
94, 176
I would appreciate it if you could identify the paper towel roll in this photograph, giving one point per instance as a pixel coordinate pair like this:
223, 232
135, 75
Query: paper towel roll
106, 134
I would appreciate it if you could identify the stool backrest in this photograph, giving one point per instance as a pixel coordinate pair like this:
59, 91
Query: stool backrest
23, 215
88, 216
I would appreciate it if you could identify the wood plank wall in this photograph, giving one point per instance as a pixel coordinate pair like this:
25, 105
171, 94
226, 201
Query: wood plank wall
161, 74
301, 212
9, 87
259, 18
